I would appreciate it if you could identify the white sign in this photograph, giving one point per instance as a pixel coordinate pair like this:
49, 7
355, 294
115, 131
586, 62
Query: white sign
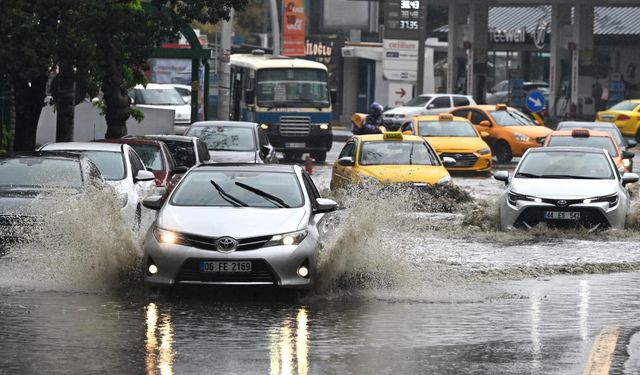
400, 60
399, 93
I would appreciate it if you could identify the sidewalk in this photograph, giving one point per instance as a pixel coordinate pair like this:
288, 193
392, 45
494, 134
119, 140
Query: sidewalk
341, 134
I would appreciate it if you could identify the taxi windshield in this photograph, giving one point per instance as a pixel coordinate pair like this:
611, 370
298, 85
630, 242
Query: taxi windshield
565, 165
510, 118
446, 129
597, 142
397, 153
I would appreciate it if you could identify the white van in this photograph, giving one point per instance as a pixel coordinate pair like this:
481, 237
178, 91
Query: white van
163, 96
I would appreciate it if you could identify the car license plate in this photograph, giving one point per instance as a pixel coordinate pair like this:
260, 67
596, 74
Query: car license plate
562, 215
295, 145
224, 267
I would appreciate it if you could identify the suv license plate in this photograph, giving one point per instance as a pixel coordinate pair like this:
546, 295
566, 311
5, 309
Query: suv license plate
224, 267
295, 145
562, 215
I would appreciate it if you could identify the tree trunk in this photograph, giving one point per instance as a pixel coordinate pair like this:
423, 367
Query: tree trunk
65, 103
116, 100
29, 100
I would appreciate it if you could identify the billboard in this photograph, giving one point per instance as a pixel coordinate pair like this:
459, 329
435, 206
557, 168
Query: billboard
293, 28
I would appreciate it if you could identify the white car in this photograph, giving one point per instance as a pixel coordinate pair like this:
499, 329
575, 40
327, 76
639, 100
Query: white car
163, 96
122, 168
571, 187
425, 104
184, 91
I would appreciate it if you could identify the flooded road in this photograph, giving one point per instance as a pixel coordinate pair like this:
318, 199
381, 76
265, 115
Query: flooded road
437, 289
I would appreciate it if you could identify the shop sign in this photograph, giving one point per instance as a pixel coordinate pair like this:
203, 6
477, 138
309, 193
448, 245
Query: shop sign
539, 34
508, 35
403, 20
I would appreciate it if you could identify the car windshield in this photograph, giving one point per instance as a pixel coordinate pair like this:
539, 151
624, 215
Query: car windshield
225, 138
111, 164
418, 101
158, 97
38, 172
612, 130
596, 142
182, 152
397, 153
565, 164
196, 189
284, 87
624, 106
446, 129
511, 118
150, 155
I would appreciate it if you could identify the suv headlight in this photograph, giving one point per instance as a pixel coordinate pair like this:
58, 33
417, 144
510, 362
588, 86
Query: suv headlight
626, 162
612, 199
292, 238
123, 198
514, 197
521, 137
323, 126
444, 180
484, 151
167, 236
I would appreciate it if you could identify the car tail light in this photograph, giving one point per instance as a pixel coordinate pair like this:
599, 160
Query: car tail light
623, 118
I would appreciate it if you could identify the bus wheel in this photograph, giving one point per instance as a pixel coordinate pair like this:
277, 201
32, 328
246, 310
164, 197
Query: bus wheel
319, 156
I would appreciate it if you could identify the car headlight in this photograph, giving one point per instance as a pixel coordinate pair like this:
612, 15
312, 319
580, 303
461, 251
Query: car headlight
444, 180
521, 137
514, 197
611, 199
484, 151
324, 126
167, 236
626, 162
293, 238
123, 198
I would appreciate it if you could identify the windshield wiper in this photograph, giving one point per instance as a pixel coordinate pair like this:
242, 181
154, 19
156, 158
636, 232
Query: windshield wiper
275, 104
528, 175
569, 176
317, 105
271, 198
227, 197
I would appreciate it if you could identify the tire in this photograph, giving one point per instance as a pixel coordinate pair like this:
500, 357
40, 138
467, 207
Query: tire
503, 152
637, 136
319, 156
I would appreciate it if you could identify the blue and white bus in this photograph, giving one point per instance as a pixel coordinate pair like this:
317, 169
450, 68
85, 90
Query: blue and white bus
289, 97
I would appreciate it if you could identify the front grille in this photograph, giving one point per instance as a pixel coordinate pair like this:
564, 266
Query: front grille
20, 220
294, 126
589, 218
260, 273
209, 243
462, 160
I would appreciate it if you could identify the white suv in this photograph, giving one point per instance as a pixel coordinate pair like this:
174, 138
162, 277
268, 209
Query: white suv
425, 104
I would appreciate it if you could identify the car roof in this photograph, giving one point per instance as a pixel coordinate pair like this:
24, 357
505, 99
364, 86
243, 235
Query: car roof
88, 146
132, 141
164, 137
441, 94
155, 86
486, 107
242, 124
44, 154
589, 150
378, 137
437, 118
592, 133
179, 85
587, 124
247, 167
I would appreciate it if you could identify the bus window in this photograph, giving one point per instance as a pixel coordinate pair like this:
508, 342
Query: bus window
292, 87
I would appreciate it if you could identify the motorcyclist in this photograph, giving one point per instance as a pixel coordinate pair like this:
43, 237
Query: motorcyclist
372, 121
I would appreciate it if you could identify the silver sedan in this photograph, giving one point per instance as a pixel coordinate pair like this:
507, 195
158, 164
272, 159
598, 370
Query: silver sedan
237, 225
565, 187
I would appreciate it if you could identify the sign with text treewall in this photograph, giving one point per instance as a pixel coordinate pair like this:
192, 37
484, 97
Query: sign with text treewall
293, 30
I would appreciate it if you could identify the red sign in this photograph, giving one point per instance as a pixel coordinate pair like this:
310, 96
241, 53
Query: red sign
293, 30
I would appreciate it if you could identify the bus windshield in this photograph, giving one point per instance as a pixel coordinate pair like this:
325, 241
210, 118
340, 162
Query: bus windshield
286, 87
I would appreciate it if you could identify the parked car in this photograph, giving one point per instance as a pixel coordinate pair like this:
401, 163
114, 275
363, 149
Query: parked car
186, 151
626, 116
122, 168
238, 225
163, 96
500, 93
50, 178
234, 141
184, 91
425, 104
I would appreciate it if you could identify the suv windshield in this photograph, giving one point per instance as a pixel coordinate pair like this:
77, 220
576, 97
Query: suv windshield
418, 101
167, 96
397, 153
182, 152
110, 164
225, 138
196, 189
596, 142
510, 118
446, 129
565, 164
150, 155
34, 172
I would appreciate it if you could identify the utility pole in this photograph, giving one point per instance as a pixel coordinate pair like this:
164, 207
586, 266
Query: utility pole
422, 38
275, 27
224, 83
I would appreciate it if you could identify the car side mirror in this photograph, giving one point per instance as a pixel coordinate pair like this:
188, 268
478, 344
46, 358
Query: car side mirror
629, 178
249, 96
346, 161
153, 202
324, 205
264, 150
484, 134
628, 155
485, 123
631, 143
144, 176
448, 161
180, 170
502, 176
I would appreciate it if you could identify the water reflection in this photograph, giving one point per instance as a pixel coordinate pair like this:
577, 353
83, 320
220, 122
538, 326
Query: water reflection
584, 309
159, 355
291, 337
535, 331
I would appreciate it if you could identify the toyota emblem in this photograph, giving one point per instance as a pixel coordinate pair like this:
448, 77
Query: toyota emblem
226, 244
561, 203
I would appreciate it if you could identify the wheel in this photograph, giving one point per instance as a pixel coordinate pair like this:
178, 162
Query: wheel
503, 152
319, 156
637, 137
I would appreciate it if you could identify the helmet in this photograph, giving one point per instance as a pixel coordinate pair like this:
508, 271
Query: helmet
376, 108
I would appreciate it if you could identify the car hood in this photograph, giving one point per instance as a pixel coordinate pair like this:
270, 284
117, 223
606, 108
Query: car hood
530, 131
183, 111
33, 202
563, 188
233, 156
237, 222
404, 111
456, 144
404, 173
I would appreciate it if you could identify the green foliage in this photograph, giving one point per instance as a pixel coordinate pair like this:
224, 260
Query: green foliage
5, 138
137, 114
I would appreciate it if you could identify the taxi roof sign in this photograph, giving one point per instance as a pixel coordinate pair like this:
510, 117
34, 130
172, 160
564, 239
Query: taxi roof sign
501, 107
580, 133
392, 136
445, 117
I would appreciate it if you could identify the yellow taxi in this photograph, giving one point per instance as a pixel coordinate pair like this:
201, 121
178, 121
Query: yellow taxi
388, 158
453, 137
509, 132
626, 116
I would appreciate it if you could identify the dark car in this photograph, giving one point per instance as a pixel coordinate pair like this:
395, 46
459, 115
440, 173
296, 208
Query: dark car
186, 151
500, 92
48, 177
234, 141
